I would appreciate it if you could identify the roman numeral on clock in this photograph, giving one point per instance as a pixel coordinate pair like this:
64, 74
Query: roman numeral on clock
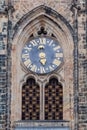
42, 40
33, 68
59, 54
25, 56
56, 48
34, 43
50, 42
51, 68
56, 62
42, 70
27, 63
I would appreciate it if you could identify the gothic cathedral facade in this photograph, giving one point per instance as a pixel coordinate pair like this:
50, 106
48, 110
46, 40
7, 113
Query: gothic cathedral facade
43, 64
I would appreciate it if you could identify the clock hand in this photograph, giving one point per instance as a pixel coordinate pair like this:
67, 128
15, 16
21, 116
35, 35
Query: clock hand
42, 55
43, 61
42, 58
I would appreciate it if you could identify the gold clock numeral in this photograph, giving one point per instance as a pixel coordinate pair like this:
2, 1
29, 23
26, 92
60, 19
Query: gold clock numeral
42, 40
42, 70
33, 68
27, 48
59, 54
50, 42
56, 62
25, 56
56, 48
27, 63
51, 68
34, 43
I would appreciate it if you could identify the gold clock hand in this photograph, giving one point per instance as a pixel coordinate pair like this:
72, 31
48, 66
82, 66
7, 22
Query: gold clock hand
42, 55
43, 61
42, 58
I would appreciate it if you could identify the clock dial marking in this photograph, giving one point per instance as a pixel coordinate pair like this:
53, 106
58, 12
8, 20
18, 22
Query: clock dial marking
34, 68
42, 70
25, 56
56, 48
56, 62
51, 68
46, 68
50, 42
59, 54
42, 40
27, 48
34, 43
27, 62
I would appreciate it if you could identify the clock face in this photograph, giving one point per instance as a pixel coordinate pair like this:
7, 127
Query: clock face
42, 55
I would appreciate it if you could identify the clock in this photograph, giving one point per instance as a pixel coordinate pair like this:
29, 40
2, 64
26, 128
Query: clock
42, 55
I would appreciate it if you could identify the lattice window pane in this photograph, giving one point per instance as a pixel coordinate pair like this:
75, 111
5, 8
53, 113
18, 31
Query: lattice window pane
30, 101
53, 100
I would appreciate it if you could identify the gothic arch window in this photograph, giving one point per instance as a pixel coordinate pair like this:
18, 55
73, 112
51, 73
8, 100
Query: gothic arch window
53, 100
30, 100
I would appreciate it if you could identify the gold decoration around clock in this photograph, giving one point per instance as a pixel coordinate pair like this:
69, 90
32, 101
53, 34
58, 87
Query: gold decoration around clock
41, 47
42, 58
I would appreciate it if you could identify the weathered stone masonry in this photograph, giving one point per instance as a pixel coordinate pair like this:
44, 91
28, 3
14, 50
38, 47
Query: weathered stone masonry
4, 81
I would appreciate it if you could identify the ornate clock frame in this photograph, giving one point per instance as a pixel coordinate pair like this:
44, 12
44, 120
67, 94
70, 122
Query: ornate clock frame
42, 55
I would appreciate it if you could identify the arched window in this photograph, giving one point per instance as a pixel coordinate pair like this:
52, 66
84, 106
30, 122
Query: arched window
53, 100
30, 100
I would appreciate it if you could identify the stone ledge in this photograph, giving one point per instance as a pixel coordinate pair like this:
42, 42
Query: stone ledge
41, 123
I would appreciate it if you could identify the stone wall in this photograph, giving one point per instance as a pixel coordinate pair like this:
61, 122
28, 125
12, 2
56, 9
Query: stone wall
82, 65
4, 100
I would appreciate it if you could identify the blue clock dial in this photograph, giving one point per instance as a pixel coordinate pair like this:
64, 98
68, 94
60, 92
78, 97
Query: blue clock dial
42, 55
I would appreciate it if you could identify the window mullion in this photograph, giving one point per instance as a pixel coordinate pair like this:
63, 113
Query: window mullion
41, 103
